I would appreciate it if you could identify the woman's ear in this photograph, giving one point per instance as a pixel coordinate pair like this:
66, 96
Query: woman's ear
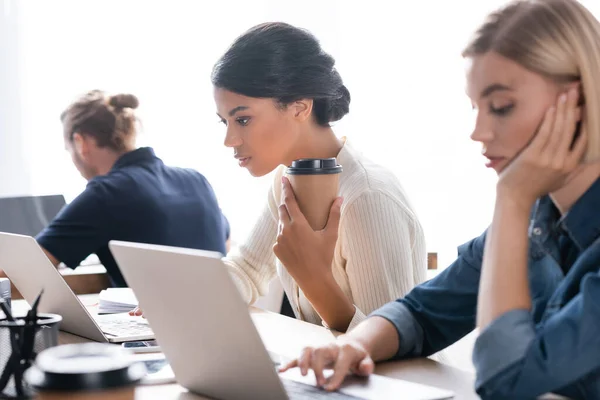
302, 109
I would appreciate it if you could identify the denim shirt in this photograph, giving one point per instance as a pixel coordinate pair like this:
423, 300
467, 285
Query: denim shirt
554, 347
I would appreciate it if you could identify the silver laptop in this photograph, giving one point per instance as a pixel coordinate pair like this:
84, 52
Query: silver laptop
30, 271
28, 215
206, 332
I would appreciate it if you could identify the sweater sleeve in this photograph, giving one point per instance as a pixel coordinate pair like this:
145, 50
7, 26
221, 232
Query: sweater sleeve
253, 264
385, 252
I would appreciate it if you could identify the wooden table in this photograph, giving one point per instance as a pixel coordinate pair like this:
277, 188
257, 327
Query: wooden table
286, 337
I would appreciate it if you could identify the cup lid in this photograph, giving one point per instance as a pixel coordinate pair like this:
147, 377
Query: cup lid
314, 166
89, 366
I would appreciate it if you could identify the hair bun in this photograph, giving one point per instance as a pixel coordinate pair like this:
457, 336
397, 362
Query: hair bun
339, 106
124, 101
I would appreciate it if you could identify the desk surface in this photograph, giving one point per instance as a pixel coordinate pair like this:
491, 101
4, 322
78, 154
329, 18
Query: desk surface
286, 337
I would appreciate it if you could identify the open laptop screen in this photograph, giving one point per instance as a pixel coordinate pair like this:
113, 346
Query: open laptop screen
28, 215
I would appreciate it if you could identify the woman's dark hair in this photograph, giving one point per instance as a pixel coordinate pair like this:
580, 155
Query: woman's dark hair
280, 61
108, 119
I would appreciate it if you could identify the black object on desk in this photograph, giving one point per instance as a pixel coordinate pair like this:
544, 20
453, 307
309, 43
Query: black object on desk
286, 307
5, 290
20, 341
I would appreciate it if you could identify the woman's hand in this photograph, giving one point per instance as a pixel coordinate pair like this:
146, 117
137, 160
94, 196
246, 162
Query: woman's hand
137, 312
550, 158
306, 254
344, 356
544, 166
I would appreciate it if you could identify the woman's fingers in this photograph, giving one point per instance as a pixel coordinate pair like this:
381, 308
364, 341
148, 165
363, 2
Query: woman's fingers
579, 149
564, 130
558, 126
136, 312
290, 365
540, 140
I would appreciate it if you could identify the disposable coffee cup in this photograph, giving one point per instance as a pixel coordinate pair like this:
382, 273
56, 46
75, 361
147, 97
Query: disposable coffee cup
316, 184
87, 371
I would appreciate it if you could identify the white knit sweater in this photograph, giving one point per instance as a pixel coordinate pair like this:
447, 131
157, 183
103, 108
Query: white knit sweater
380, 254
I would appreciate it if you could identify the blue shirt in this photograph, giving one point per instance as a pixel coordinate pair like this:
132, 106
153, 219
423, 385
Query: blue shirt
139, 200
555, 346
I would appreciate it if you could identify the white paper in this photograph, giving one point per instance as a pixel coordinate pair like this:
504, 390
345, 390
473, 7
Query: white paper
116, 300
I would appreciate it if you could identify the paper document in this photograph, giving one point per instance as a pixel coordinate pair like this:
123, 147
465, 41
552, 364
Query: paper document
116, 300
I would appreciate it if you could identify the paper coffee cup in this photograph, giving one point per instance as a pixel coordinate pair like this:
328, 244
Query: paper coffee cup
316, 184
87, 371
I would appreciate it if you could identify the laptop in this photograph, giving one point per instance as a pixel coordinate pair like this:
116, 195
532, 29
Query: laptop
206, 333
29, 215
30, 271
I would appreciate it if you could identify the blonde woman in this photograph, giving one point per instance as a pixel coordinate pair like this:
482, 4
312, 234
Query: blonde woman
531, 282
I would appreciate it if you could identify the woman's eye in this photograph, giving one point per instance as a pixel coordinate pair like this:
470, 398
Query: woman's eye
243, 121
501, 111
222, 121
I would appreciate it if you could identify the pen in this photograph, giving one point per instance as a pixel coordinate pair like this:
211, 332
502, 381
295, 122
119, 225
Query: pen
29, 330
6, 310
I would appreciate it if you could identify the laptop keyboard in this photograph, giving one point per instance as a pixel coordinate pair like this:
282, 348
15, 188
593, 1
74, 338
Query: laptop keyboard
302, 391
121, 327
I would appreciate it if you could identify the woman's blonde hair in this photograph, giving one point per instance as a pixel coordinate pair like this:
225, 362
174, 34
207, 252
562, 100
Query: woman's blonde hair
559, 39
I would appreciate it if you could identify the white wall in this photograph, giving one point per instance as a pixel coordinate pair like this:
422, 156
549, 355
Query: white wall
400, 60
15, 177
408, 109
